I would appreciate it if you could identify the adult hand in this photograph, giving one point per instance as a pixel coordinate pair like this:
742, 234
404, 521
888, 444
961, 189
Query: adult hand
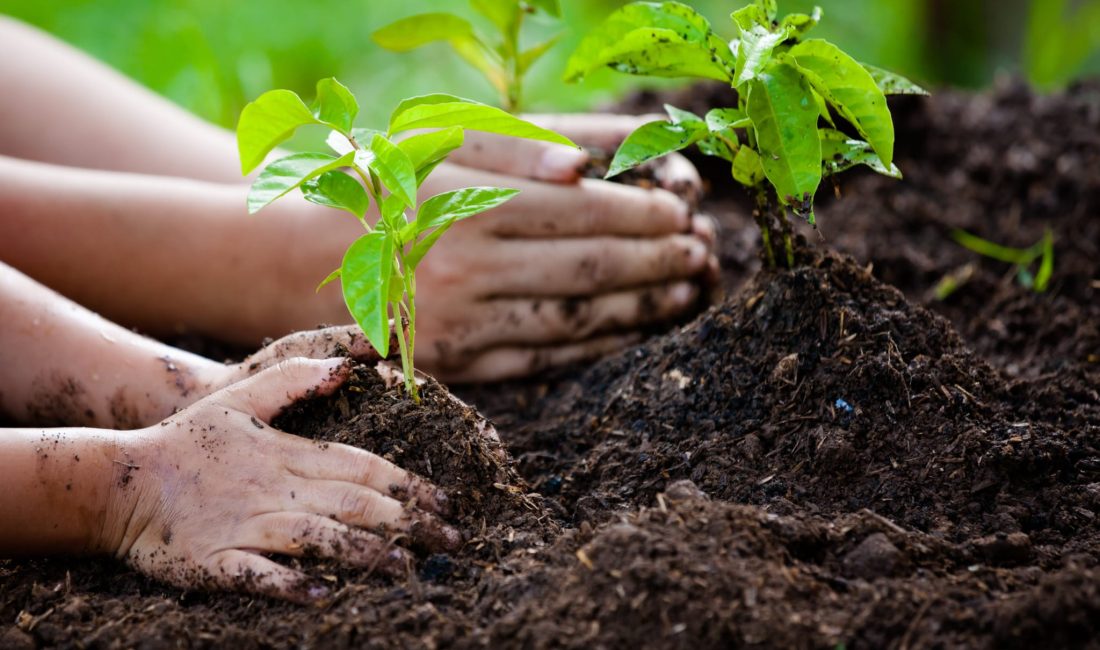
214, 488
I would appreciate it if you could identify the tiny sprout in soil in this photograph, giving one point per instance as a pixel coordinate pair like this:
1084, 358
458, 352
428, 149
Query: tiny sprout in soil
500, 60
797, 100
378, 273
1023, 259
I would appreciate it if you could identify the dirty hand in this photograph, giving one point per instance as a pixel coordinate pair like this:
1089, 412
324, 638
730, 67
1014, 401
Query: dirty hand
570, 269
215, 488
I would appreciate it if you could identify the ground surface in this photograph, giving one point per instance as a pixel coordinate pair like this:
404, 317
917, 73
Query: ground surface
830, 456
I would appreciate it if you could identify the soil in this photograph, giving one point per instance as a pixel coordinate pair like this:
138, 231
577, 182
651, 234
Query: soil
830, 456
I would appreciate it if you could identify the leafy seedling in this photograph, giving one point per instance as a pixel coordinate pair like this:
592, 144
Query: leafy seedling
378, 273
799, 102
1023, 259
500, 59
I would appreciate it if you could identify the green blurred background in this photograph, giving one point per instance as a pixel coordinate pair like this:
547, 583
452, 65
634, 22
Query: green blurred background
212, 56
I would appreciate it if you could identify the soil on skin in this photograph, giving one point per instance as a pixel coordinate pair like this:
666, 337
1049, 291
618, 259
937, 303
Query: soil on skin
830, 456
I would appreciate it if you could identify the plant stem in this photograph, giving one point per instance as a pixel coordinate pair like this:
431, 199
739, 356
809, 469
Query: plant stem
406, 358
760, 214
514, 97
788, 243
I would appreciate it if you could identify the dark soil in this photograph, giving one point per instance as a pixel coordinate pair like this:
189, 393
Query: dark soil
830, 456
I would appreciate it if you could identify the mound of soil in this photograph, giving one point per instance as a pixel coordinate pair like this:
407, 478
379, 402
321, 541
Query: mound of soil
830, 456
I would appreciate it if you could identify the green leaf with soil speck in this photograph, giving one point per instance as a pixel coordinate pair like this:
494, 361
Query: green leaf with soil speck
654, 140
365, 280
785, 119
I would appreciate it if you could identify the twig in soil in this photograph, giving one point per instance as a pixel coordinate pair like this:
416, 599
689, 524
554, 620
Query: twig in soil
905, 640
884, 521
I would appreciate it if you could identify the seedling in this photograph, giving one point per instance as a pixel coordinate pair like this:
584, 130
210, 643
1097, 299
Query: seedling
378, 273
1023, 259
783, 136
500, 60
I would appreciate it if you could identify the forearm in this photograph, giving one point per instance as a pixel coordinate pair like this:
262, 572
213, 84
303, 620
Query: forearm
61, 364
61, 106
160, 254
59, 489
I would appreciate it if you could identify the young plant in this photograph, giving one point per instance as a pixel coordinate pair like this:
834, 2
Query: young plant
1023, 258
499, 60
378, 273
794, 95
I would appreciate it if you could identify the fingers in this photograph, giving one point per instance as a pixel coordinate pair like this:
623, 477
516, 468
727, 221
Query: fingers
602, 130
338, 462
235, 570
676, 174
542, 161
362, 507
554, 320
583, 267
588, 208
265, 394
299, 534
593, 208
511, 363
342, 341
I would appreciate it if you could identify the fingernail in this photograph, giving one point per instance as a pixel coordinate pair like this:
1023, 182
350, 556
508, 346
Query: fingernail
682, 293
697, 255
561, 163
452, 538
442, 502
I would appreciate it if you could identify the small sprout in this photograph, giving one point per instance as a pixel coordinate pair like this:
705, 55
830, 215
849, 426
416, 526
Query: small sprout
378, 273
782, 137
1022, 258
501, 60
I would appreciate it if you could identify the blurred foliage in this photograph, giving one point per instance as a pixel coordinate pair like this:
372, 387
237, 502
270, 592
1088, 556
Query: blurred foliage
211, 56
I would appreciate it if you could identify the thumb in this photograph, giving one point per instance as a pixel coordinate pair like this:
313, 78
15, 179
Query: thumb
541, 161
267, 393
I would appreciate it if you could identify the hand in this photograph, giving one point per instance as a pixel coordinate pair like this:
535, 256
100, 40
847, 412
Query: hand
569, 270
214, 487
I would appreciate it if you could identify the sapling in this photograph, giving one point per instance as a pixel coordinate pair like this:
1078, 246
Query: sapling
794, 96
378, 273
501, 60
1024, 259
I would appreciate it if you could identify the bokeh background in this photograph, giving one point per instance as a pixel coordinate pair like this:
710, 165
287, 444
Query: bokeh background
212, 56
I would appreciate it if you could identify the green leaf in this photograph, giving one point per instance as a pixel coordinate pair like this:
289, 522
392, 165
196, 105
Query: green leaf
329, 279
784, 115
443, 111
893, 84
335, 189
839, 153
392, 166
416, 31
751, 16
721, 144
285, 174
420, 249
335, 105
1046, 265
365, 279
427, 150
986, 248
680, 116
850, 89
502, 13
267, 122
754, 52
769, 7
552, 7
720, 119
654, 140
599, 48
460, 204
798, 25
393, 215
530, 56
660, 52
823, 109
747, 168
